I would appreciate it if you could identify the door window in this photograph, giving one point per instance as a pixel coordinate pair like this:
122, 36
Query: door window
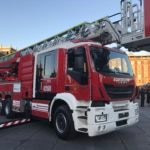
46, 65
77, 65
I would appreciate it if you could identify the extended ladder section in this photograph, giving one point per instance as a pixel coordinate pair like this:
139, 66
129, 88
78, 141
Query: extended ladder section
102, 30
131, 29
128, 30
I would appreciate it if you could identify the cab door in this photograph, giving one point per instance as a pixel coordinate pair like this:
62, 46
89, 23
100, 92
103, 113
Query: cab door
77, 80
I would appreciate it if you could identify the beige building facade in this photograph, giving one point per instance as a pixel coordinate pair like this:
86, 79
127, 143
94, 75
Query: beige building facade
4, 50
141, 68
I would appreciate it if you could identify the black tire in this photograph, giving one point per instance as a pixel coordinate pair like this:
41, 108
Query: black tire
63, 123
2, 105
27, 110
8, 109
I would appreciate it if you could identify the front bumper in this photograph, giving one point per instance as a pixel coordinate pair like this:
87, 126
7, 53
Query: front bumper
117, 117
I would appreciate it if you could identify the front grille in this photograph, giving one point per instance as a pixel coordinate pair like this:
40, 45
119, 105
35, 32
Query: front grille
121, 123
119, 92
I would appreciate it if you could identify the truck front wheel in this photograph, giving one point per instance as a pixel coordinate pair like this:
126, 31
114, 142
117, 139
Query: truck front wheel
63, 122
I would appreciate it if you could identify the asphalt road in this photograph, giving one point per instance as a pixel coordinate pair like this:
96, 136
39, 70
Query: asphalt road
38, 135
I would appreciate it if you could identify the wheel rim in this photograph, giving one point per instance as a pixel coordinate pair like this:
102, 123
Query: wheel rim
61, 123
1, 105
7, 110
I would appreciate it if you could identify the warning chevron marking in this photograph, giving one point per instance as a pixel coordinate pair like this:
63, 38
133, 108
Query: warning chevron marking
14, 123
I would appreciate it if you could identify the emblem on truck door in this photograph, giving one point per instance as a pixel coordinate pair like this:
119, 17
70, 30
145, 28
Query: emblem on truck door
47, 88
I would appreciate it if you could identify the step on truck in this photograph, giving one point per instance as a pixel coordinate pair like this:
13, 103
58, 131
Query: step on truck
73, 81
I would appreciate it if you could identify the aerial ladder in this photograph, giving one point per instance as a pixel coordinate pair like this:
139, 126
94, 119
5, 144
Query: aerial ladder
131, 30
102, 30
128, 30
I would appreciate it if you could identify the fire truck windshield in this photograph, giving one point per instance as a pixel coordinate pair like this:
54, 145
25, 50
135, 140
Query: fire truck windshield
110, 62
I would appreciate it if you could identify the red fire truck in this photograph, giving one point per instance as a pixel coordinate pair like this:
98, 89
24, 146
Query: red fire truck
79, 86
73, 81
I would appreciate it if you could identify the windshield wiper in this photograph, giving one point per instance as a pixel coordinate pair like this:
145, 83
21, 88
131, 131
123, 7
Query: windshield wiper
109, 71
122, 73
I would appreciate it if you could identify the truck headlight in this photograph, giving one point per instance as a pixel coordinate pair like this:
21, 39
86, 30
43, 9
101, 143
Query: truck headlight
101, 118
